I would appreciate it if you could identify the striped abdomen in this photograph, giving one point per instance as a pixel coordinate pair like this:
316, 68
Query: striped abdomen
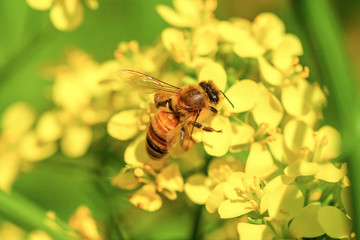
157, 138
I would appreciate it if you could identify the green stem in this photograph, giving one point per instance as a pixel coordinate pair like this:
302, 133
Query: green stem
196, 234
24, 213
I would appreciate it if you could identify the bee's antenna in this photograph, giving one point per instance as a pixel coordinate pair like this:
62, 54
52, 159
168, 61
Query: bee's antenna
227, 99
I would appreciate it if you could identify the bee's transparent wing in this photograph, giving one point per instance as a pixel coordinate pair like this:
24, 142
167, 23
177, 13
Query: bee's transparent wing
146, 83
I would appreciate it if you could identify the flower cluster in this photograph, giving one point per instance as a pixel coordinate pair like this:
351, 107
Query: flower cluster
272, 172
273, 161
80, 104
65, 15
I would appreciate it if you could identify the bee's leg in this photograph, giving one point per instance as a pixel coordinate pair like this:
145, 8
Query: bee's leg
186, 141
162, 99
205, 128
182, 135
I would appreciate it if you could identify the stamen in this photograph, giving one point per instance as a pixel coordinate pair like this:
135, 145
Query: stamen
254, 205
240, 191
246, 186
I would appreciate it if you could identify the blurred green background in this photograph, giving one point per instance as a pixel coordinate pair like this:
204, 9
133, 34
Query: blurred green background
330, 34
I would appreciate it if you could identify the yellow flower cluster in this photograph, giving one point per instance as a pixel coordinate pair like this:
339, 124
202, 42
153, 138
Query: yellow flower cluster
66, 15
273, 160
81, 103
272, 172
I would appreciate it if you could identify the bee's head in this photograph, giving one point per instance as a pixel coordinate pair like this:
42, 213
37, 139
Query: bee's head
211, 90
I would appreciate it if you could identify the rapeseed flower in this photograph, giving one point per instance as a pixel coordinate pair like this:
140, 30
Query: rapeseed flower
269, 171
65, 15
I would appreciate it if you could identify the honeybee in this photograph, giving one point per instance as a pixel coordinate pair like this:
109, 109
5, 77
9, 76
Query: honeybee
180, 111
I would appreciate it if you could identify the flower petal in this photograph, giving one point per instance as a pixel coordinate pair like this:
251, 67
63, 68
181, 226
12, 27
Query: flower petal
218, 144
17, 119
220, 169
174, 42
205, 41
283, 55
244, 95
40, 4
254, 232
334, 222
295, 103
328, 172
330, 140
247, 47
147, 198
232, 209
306, 223
84, 223
10, 166
286, 201
301, 168
231, 32
269, 73
279, 150
259, 162
298, 135
346, 199
76, 140
122, 125
269, 29
271, 186
48, 128
170, 179
67, 15
125, 180
268, 110
197, 188
241, 134
93, 4
215, 198
215, 72
173, 18
31, 149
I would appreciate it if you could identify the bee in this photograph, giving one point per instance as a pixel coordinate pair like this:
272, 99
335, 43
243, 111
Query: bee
180, 110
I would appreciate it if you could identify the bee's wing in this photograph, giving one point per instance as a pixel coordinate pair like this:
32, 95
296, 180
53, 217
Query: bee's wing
146, 83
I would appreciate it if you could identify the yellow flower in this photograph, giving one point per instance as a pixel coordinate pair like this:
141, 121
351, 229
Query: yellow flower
166, 180
254, 231
84, 224
66, 15
81, 103
198, 186
147, 198
316, 220
314, 151
11, 232
19, 143
188, 13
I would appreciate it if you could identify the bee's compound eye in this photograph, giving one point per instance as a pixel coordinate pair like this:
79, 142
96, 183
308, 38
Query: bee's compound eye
214, 96
203, 84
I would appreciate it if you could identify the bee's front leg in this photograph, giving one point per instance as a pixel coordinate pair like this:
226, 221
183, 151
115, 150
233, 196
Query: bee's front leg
205, 128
